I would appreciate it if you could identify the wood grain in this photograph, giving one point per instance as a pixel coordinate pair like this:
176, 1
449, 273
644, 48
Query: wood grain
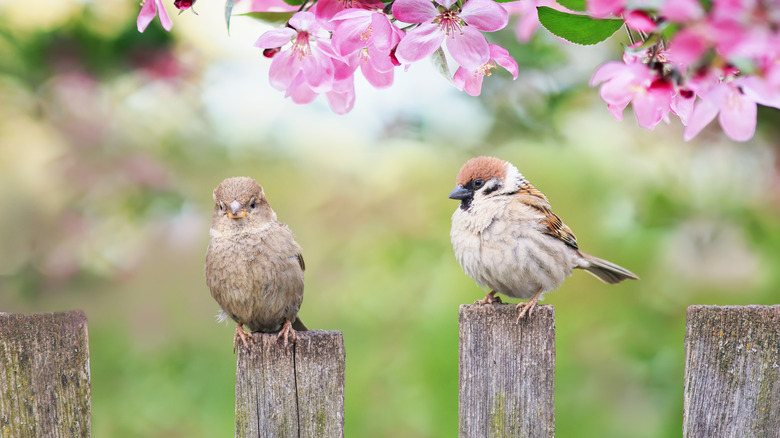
293, 391
732, 372
507, 372
44, 375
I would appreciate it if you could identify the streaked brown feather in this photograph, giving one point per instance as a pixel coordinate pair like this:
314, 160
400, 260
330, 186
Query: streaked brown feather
554, 226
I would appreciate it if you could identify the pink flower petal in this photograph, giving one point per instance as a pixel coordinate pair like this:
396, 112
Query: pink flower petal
380, 60
342, 98
706, 110
469, 49
318, 70
348, 35
678, 11
446, 3
414, 11
682, 105
502, 58
376, 78
327, 9
651, 106
468, 81
305, 21
300, 92
738, 116
606, 72
605, 8
275, 38
271, 6
419, 43
146, 15
164, 19
284, 68
639, 21
381, 32
616, 111
485, 15
686, 48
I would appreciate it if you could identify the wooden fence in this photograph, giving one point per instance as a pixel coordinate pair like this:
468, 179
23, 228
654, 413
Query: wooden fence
507, 376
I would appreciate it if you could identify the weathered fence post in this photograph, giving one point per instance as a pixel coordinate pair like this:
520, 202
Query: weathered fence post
507, 372
44, 375
732, 372
297, 391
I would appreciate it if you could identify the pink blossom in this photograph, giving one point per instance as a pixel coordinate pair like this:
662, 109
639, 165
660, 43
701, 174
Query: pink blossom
366, 39
527, 16
678, 11
639, 21
605, 8
271, 6
357, 29
327, 9
650, 96
341, 97
149, 10
682, 104
471, 80
308, 61
687, 47
459, 26
736, 112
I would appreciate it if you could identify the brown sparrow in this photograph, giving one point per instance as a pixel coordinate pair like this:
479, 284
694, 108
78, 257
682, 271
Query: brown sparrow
254, 267
507, 238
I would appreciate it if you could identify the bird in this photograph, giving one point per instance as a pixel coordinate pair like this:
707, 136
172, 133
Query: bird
506, 237
254, 267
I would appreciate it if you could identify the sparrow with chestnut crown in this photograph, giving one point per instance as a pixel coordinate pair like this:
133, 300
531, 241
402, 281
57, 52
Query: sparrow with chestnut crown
507, 238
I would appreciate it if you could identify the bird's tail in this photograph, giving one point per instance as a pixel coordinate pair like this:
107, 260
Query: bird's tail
605, 271
298, 325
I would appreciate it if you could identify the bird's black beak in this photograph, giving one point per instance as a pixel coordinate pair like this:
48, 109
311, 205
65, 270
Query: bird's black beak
460, 193
236, 210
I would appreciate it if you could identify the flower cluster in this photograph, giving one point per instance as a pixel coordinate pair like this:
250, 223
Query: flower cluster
324, 42
694, 62
696, 59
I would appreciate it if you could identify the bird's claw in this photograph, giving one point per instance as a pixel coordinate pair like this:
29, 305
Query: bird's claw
286, 332
490, 298
240, 334
525, 308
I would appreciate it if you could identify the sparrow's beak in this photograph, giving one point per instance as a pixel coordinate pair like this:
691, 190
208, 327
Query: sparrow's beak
236, 210
460, 193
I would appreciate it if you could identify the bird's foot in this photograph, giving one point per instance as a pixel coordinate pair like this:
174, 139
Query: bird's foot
527, 308
490, 298
240, 334
286, 332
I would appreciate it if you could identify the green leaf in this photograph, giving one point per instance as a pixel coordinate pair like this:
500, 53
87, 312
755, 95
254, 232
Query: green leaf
573, 5
228, 12
279, 18
294, 2
578, 29
440, 62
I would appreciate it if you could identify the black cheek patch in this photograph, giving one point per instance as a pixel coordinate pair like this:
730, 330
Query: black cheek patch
489, 190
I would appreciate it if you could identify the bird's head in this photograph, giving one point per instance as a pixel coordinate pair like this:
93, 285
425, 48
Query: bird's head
484, 177
240, 202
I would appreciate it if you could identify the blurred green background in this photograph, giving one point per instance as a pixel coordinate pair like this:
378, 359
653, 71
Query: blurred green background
111, 142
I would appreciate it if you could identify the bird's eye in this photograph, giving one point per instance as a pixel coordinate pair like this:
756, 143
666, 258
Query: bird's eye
221, 207
253, 204
478, 183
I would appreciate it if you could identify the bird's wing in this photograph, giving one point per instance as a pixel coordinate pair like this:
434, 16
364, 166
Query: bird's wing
553, 225
301, 262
